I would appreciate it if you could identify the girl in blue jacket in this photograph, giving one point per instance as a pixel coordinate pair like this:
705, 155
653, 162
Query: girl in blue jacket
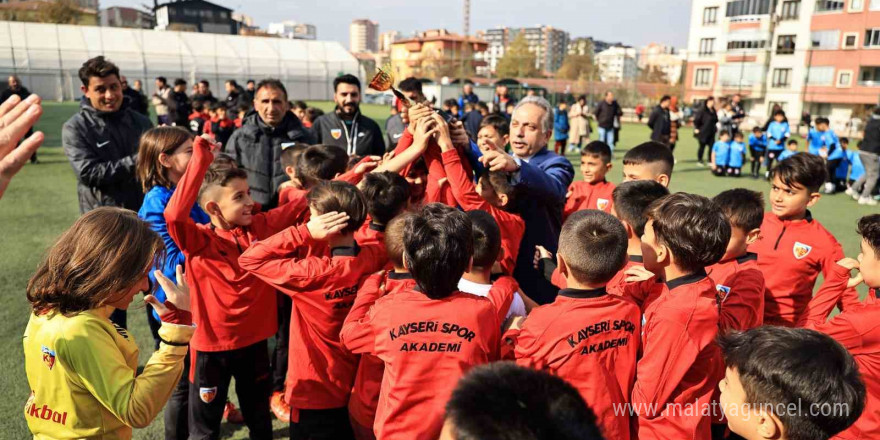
560, 128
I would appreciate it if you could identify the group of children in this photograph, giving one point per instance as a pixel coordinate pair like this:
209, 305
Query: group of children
400, 275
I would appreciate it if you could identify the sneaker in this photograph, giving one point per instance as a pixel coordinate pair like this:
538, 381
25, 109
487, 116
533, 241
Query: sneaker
829, 188
848, 192
279, 407
232, 414
868, 201
767, 175
701, 164
856, 196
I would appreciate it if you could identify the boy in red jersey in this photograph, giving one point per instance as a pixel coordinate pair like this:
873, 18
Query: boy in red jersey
594, 192
794, 247
739, 281
234, 312
323, 288
631, 200
776, 386
428, 336
493, 194
858, 329
387, 195
681, 364
587, 336
649, 161
368, 381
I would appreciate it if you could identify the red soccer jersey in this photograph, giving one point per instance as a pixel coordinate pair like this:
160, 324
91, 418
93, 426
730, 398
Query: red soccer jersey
615, 285
589, 338
741, 290
368, 381
320, 372
370, 232
435, 190
791, 254
426, 345
231, 308
681, 365
585, 195
465, 193
858, 329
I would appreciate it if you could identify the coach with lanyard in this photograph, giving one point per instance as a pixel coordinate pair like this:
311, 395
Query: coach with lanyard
346, 127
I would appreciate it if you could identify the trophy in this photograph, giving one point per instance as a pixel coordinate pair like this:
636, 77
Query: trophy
384, 81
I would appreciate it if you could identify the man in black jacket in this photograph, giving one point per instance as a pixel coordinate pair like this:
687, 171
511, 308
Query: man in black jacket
659, 122
607, 113
346, 127
137, 101
235, 95
101, 142
869, 153
257, 145
182, 104
15, 88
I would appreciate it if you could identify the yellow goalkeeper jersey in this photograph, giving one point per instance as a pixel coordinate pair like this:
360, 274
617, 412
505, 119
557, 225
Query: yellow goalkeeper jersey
82, 374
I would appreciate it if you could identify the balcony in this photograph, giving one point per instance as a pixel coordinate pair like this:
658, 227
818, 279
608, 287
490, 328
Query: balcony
829, 6
869, 76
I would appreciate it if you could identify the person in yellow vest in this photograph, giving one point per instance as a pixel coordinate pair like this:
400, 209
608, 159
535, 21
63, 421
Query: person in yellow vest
81, 368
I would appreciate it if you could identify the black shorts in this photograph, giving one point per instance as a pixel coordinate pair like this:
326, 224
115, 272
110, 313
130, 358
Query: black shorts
756, 154
321, 424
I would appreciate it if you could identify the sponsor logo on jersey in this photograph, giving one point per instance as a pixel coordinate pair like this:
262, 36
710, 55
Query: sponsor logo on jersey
48, 357
601, 204
44, 412
801, 250
336, 133
207, 394
723, 291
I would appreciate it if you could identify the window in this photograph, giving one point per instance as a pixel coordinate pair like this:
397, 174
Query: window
829, 5
224, 15
791, 10
741, 74
781, 78
872, 37
850, 40
874, 5
844, 78
856, 5
820, 75
869, 76
702, 77
707, 46
825, 39
710, 15
785, 45
750, 44
748, 7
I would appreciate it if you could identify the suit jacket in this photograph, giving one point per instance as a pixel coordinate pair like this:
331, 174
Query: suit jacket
543, 182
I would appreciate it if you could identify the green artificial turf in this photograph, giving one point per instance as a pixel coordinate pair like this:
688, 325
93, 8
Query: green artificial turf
41, 202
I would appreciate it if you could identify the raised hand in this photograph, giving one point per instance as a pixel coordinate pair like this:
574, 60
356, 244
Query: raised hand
850, 264
177, 294
16, 118
459, 135
636, 274
540, 253
365, 166
416, 113
325, 225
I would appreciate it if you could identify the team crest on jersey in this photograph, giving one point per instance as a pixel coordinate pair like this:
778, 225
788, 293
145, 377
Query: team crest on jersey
801, 250
336, 133
48, 357
207, 394
601, 204
723, 291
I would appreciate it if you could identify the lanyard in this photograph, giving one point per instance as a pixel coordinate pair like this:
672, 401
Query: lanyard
351, 138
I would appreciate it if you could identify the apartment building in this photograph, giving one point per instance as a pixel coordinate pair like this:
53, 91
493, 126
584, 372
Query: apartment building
804, 55
547, 43
617, 64
363, 36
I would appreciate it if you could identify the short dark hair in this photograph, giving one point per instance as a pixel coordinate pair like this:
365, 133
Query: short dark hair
665, 98
744, 208
597, 149
179, 82
300, 105
451, 102
737, 134
219, 105
481, 106
271, 83
232, 82
162, 79
757, 128
869, 230
651, 153
205, 82
337, 196
220, 176
439, 244
291, 153
778, 367
394, 232
499, 181
632, 199
487, 238
198, 105
499, 122
822, 120
387, 194
844, 140
250, 81
692, 227
593, 244
801, 170
791, 141
778, 112
320, 162
346, 79
504, 401
313, 113
99, 67
410, 84
724, 133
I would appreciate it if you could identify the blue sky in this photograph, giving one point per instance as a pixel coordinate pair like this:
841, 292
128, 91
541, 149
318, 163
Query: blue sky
633, 22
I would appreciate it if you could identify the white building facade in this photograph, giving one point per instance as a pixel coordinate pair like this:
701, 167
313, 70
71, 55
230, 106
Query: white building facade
618, 64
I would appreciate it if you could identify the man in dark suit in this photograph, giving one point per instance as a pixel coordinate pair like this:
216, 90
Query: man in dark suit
544, 178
